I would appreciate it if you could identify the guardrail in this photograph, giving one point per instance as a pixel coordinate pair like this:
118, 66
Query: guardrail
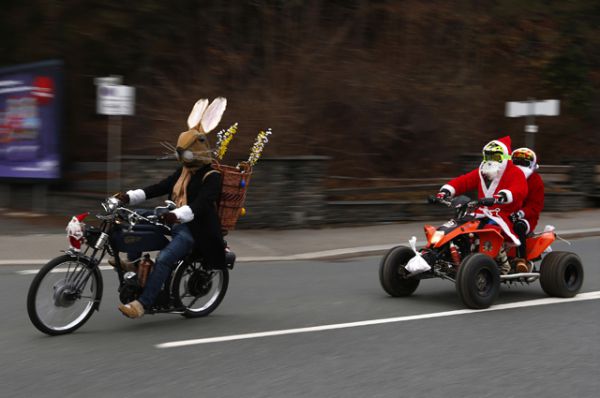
296, 192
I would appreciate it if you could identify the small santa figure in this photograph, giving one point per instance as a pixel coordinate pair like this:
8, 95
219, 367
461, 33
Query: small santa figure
75, 231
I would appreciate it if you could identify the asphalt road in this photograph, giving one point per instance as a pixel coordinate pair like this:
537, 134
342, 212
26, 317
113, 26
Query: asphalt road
549, 350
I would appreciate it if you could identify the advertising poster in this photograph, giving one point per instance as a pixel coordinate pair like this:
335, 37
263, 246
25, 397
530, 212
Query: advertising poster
30, 121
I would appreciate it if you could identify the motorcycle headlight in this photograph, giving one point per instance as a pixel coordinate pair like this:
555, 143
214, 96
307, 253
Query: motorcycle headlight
437, 236
110, 204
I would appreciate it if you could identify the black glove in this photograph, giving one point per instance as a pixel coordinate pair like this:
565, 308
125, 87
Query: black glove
169, 218
443, 194
501, 197
122, 197
517, 215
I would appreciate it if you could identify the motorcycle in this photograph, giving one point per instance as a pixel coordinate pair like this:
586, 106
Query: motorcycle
470, 253
68, 289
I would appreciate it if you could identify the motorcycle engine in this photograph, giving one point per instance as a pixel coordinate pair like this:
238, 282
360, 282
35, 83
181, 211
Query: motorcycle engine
130, 289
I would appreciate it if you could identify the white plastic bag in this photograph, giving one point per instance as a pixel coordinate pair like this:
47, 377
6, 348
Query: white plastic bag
417, 264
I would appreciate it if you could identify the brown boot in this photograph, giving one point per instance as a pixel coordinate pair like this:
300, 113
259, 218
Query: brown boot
125, 264
522, 265
133, 310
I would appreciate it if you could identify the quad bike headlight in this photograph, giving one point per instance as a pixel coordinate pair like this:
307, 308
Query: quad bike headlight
437, 236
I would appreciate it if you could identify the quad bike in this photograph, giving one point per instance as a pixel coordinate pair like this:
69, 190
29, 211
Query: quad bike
470, 253
68, 289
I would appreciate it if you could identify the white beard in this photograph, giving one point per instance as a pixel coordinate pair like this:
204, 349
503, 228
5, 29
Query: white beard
490, 170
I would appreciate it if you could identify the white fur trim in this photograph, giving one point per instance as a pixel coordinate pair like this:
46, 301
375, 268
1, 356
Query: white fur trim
184, 213
526, 170
498, 220
509, 195
136, 196
449, 188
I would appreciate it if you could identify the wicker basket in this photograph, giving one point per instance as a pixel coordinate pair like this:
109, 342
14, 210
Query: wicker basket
235, 182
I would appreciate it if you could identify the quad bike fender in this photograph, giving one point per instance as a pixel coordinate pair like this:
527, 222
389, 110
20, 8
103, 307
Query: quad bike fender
470, 226
429, 231
490, 242
536, 245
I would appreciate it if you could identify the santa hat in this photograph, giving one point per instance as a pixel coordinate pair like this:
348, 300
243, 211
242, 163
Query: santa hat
82, 216
504, 142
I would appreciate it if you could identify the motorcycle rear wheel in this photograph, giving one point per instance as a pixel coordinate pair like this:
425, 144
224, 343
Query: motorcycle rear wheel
392, 274
199, 290
63, 295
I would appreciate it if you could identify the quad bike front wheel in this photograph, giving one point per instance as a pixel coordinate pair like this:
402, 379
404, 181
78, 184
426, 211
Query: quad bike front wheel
393, 275
478, 281
561, 274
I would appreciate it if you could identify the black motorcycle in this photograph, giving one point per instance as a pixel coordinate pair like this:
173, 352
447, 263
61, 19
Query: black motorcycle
66, 291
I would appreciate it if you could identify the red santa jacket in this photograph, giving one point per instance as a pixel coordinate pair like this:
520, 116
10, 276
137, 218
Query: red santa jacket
512, 182
534, 203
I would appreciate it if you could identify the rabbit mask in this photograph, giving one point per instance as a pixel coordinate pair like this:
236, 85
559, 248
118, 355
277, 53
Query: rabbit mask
193, 148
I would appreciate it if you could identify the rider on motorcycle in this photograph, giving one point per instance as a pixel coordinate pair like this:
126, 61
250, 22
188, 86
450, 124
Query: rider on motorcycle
195, 188
496, 177
526, 219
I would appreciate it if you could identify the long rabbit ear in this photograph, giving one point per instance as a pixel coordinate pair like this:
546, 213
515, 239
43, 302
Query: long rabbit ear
213, 114
197, 112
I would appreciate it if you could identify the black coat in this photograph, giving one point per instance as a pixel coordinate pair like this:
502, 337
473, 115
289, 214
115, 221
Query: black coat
202, 198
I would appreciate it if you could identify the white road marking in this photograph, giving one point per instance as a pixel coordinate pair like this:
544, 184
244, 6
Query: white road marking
35, 271
529, 303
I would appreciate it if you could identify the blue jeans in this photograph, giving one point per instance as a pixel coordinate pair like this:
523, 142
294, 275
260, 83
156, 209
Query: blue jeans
179, 247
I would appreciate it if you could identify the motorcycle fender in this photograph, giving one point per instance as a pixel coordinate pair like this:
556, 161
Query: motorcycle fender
490, 242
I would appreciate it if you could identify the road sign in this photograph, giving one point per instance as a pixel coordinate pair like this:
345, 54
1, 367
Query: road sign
115, 100
533, 108
530, 109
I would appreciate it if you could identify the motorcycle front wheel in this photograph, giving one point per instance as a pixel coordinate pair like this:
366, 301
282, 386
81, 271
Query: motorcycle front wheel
199, 290
63, 295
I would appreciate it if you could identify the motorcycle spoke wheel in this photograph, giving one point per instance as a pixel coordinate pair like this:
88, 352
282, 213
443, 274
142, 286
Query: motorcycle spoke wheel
200, 290
62, 296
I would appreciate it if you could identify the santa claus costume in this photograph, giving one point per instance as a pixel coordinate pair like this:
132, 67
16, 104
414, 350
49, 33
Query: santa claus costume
498, 177
526, 160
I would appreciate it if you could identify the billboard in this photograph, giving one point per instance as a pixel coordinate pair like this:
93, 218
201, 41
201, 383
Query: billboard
31, 99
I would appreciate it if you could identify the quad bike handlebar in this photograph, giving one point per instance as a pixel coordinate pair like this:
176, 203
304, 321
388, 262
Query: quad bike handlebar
463, 202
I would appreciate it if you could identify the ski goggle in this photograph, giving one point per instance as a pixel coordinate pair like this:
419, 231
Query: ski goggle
494, 156
523, 158
521, 161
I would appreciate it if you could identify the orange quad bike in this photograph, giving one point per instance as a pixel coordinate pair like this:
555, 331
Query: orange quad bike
471, 253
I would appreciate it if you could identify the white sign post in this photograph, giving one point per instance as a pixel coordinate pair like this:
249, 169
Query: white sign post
114, 100
531, 109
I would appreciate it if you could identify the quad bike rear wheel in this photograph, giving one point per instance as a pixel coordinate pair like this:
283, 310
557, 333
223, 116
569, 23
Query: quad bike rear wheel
478, 281
392, 274
561, 274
